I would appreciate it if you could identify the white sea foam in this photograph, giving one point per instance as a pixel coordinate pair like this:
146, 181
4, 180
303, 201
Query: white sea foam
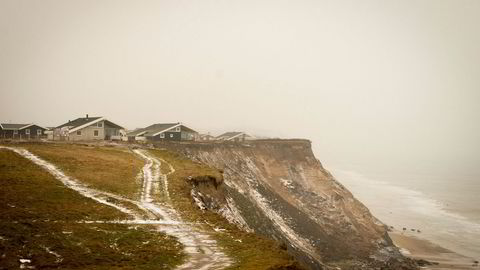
412, 209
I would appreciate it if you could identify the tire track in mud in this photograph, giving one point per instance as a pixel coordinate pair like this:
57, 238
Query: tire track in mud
99, 196
202, 251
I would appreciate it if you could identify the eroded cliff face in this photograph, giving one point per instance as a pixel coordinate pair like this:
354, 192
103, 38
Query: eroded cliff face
279, 189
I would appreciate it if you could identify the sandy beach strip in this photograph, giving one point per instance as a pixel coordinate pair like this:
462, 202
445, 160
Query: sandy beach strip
414, 247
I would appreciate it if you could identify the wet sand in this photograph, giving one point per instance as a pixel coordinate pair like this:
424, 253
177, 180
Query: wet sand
417, 248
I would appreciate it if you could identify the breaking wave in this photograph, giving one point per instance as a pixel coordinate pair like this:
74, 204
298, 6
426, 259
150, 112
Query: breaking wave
401, 207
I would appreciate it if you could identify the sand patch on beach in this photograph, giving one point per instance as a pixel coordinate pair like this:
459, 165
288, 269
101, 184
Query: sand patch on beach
417, 248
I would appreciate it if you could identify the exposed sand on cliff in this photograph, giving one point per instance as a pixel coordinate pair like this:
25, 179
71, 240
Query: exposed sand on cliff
417, 248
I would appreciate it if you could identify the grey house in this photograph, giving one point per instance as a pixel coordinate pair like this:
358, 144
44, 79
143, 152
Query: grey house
206, 137
234, 136
22, 131
164, 132
86, 129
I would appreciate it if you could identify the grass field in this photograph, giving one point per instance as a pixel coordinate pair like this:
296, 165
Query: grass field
41, 220
249, 250
40, 215
112, 169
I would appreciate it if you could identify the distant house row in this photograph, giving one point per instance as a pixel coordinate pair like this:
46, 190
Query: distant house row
99, 128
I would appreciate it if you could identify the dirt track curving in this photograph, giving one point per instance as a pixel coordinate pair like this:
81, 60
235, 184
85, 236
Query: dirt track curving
203, 252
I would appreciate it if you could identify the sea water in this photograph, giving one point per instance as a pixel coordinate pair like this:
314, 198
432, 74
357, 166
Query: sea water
446, 210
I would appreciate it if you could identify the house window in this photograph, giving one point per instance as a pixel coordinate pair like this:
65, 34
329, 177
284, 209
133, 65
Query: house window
27, 131
162, 135
39, 132
79, 132
95, 133
177, 129
171, 135
15, 132
99, 124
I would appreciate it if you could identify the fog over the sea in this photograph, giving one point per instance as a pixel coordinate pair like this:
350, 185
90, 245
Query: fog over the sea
387, 84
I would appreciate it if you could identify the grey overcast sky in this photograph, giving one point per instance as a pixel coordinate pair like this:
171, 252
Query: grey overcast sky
378, 83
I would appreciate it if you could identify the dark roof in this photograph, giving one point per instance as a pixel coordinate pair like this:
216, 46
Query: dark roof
152, 129
156, 128
18, 126
78, 122
229, 134
110, 123
13, 126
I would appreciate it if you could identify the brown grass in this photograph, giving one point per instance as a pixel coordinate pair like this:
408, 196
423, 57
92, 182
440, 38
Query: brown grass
112, 169
38, 213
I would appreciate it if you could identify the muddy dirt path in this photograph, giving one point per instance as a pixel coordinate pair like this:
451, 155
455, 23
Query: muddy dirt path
202, 251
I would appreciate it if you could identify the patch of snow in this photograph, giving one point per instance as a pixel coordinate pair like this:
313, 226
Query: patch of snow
68, 181
203, 251
278, 221
405, 251
24, 262
233, 215
196, 198
234, 186
287, 183
250, 173
132, 221
58, 256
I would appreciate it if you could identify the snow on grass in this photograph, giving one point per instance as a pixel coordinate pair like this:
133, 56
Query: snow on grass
58, 256
69, 182
202, 250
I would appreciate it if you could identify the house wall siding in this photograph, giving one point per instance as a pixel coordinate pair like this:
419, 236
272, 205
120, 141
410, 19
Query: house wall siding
174, 136
111, 131
105, 132
188, 136
9, 134
169, 136
87, 134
